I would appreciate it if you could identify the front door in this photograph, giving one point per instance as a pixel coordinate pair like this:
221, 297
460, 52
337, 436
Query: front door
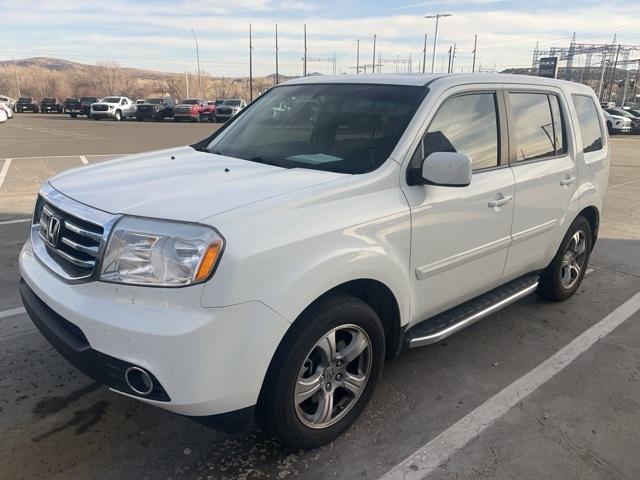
460, 235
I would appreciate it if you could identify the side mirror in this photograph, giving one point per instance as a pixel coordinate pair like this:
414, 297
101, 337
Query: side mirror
448, 169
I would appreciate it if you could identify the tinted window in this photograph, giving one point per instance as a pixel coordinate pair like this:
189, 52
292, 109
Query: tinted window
589, 123
467, 124
558, 126
349, 128
532, 125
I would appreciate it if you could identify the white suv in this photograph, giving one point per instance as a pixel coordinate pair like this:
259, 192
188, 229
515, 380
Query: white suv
269, 269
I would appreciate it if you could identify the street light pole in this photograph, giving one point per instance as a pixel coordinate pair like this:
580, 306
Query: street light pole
373, 64
198, 59
277, 77
435, 36
424, 54
475, 47
250, 66
358, 58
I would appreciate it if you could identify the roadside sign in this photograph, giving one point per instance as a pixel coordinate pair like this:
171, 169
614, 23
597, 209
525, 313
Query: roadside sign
548, 67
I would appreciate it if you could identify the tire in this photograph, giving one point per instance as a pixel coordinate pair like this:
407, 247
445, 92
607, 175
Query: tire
610, 128
139, 119
352, 322
74, 115
562, 278
196, 119
176, 119
117, 116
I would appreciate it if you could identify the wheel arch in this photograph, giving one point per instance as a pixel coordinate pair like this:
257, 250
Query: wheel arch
592, 214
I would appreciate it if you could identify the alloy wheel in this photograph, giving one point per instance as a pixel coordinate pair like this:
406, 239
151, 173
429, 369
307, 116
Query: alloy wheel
333, 376
573, 260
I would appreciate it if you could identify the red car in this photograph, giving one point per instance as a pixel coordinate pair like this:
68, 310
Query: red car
194, 109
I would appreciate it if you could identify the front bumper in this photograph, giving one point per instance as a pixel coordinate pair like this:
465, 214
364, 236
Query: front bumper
206, 361
102, 114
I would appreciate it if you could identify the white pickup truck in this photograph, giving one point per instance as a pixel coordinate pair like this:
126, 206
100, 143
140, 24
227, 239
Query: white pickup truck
117, 108
268, 270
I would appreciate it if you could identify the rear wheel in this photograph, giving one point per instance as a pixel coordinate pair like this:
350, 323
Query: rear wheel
324, 373
563, 276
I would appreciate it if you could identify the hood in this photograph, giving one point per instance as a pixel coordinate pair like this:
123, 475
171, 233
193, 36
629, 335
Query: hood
181, 184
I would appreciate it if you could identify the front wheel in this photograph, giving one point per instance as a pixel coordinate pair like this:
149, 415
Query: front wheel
324, 372
563, 276
118, 116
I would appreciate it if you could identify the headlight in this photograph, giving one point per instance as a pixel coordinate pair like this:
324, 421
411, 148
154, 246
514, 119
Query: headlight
160, 253
110, 107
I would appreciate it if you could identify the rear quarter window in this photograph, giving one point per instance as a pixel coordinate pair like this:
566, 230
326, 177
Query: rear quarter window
589, 122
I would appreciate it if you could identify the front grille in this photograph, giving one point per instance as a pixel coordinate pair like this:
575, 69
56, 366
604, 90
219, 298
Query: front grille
224, 111
100, 108
76, 241
183, 110
68, 236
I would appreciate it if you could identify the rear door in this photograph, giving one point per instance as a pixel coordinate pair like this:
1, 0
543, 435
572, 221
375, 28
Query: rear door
542, 157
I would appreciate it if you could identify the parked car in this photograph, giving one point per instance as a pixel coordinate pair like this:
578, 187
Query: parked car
27, 104
3, 114
8, 101
85, 106
193, 109
270, 268
617, 124
50, 105
155, 109
229, 109
7, 110
71, 105
635, 119
117, 108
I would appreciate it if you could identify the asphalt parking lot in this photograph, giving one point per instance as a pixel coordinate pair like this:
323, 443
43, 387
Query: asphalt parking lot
582, 423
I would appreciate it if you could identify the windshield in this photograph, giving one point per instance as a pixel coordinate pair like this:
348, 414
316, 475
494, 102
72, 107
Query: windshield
219, 102
348, 128
233, 103
111, 100
190, 101
48, 100
153, 101
89, 99
24, 99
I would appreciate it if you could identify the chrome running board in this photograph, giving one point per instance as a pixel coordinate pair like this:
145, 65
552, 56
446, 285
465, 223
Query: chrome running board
447, 323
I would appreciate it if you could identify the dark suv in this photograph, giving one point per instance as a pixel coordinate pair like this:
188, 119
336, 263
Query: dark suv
85, 105
155, 109
50, 105
71, 105
27, 104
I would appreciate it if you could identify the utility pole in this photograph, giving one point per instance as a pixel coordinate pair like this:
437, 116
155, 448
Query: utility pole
635, 83
424, 54
358, 58
605, 62
626, 83
186, 80
304, 67
198, 59
449, 64
613, 73
475, 48
250, 66
453, 57
435, 36
277, 77
373, 64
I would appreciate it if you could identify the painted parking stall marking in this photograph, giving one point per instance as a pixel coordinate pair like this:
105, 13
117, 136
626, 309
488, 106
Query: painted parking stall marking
429, 457
5, 169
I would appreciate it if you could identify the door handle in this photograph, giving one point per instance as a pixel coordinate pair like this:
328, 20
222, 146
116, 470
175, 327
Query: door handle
500, 200
567, 181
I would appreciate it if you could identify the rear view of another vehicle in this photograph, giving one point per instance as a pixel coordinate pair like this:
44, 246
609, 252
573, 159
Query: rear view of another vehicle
71, 106
50, 105
26, 104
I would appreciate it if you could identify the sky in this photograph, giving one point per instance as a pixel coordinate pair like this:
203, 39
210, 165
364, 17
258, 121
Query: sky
156, 34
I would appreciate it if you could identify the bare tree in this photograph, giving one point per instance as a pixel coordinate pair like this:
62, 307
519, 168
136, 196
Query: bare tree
110, 74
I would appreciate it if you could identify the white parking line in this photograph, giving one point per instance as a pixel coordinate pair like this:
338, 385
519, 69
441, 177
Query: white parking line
11, 312
429, 457
18, 220
84, 160
5, 169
